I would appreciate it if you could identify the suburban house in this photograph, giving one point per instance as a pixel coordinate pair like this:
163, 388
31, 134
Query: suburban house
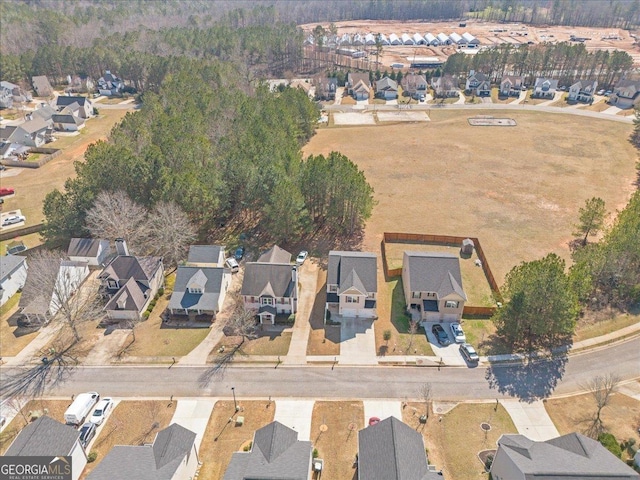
84, 110
445, 86
303, 85
67, 122
433, 285
39, 303
583, 91
387, 88
13, 274
199, 290
41, 86
478, 84
358, 85
352, 284
46, 437
12, 150
32, 133
270, 285
206, 256
570, 456
172, 456
626, 94
511, 86
276, 453
45, 112
79, 84
130, 283
544, 88
10, 93
326, 88
415, 85
392, 450
93, 251
110, 84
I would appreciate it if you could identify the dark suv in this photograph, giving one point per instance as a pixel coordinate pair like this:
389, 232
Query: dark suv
440, 334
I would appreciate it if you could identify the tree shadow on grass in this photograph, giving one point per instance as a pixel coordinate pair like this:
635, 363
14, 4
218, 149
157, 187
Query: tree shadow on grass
528, 380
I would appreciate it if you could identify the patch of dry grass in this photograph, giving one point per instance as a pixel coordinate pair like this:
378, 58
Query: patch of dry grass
323, 339
53, 408
222, 438
600, 106
337, 445
621, 417
267, 343
132, 422
522, 206
596, 325
13, 338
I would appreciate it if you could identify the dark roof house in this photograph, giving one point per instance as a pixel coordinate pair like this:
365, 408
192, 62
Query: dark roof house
172, 456
199, 290
206, 255
276, 453
42, 86
44, 437
392, 450
572, 456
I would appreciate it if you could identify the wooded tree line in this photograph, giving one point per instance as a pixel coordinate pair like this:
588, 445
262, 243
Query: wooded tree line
564, 61
221, 154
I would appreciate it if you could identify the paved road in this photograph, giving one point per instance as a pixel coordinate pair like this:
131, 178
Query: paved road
527, 382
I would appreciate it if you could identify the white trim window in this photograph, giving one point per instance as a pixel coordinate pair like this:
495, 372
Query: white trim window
415, 294
266, 301
350, 299
451, 304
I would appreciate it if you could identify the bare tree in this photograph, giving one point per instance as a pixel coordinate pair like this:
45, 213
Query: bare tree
114, 215
56, 283
601, 388
170, 232
426, 394
413, 329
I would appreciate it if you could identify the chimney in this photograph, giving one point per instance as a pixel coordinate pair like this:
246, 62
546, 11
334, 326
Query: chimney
472, 72
29, 116
121, 247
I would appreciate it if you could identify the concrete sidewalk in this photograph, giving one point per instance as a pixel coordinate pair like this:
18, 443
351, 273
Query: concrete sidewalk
382, 409
297, 354
531, 419
33, 350
295, 414
194, 414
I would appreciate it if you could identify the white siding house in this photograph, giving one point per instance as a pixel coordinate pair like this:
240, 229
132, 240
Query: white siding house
13, 275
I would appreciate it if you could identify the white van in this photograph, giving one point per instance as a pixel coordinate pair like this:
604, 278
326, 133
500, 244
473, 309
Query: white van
80, 408
232, 264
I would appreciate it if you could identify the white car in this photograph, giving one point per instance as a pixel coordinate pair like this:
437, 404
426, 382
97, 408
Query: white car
13, 219
302, 256
101, 411
458, 334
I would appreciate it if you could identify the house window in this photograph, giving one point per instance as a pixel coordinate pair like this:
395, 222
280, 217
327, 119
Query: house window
195, 290
351, 299
451, 304
112, 283
416, 295
333, 288
266, 300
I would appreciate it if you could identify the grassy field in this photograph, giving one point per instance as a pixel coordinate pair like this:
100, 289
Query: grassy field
621, 417
337, 444
455, 441
132, 422
521, 206
222, 438
32, 185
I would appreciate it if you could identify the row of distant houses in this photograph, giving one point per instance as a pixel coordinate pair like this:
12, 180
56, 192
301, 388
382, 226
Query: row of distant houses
371, 39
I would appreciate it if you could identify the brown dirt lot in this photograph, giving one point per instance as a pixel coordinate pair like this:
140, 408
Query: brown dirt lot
621, 417
132, 422
338, 445
32, 185
221, 438
54, 408
519, 192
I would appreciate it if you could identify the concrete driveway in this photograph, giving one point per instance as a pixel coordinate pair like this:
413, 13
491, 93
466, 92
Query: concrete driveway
194, 415
295, 414
308, 279
450, 354
531, 419
357, 342
382, 409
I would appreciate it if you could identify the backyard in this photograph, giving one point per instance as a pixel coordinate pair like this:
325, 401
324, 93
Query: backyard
521, 206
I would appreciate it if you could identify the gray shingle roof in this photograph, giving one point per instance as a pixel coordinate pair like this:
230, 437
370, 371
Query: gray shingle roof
434, 272
276, 454
34, 126
386, 83
63, 100
9, 264
391, 450
275, 255
567, 457
364, 264
44, 437
86, 247
355, 78
41, 84
130, 296
211, 280
261, 278
158, 462
45, 112
204, 253
553, 84
34, 298
124, 267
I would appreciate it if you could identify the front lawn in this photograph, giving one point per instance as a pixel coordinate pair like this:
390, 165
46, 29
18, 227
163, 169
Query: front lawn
13, 338
267, 343
323, 339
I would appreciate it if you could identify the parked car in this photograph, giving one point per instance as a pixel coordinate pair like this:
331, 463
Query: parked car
302, 256
13, 219
440, 334
458, 334
87, 432
101, 411
6, 191
232, 264
239, 253
600, 92
607, 93
469, 353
